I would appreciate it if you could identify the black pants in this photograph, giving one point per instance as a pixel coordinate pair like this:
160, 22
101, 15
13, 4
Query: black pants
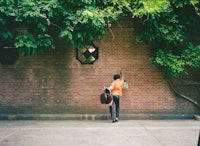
116, 104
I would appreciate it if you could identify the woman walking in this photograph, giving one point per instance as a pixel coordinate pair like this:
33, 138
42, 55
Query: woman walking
116, 91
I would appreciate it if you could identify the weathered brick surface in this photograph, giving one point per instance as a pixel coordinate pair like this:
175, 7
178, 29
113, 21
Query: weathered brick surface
55, 82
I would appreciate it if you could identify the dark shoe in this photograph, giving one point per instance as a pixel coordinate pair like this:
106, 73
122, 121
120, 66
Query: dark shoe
116, 120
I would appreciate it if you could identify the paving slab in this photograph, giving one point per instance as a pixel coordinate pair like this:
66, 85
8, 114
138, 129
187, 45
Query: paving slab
100, 133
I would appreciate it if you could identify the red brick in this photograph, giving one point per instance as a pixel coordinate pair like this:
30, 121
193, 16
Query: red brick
55, 82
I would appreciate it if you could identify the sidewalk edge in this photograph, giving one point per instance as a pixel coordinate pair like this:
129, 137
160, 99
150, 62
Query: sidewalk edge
94, 116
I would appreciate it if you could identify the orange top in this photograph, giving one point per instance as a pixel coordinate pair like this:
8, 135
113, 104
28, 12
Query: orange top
116, 87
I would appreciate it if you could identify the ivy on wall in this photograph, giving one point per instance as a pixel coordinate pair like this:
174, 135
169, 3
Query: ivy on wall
175, 37
172, 27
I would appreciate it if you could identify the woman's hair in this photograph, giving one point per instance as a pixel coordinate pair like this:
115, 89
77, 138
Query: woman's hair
116, 76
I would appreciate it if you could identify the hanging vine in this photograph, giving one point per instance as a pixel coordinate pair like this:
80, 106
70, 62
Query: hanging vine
167, 25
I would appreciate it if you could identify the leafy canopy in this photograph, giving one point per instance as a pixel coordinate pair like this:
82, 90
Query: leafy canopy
172, 27
174, 34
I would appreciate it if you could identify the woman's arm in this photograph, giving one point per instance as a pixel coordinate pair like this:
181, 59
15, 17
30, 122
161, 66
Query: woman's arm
122, 74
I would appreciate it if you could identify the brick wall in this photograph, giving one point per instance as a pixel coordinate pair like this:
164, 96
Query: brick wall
55, 82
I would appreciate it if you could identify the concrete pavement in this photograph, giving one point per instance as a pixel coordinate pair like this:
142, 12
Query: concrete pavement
100, 133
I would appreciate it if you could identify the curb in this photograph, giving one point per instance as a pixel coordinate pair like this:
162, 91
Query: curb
197, 117
96, 116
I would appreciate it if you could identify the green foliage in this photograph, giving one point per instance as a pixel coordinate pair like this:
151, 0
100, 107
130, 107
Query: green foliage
146, 7
169, 63
175, 65
83, 27
172, 35
7, 8
191, 56
78, 22
30, 45
6, 11
164, 27
167, 25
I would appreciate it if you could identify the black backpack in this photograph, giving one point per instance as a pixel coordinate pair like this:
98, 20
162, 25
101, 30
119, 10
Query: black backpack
106, 97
